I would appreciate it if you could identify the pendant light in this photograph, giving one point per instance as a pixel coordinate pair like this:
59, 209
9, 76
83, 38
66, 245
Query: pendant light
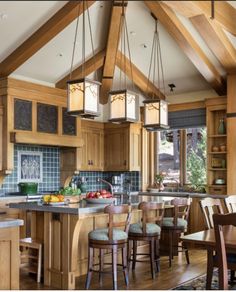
83, 93
123, 103
156, 110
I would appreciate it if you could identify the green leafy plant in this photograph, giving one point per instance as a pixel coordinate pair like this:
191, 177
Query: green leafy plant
159, 178
196, 164
69, 191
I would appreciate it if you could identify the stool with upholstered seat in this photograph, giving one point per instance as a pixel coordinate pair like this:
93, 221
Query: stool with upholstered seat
177, 224
111, 238
148, 230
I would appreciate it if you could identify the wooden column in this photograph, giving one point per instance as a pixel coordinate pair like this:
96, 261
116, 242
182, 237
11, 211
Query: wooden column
231, 134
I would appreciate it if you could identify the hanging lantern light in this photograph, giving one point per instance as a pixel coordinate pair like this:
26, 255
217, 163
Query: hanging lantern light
83, 94
123, 103
156, 110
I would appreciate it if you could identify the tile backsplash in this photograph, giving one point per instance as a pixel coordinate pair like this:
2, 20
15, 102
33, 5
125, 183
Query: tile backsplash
93, 185
51, 172
51, 169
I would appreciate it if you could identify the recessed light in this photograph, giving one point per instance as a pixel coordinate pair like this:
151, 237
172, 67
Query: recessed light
144, 46
60, 55
133, 33
3, 16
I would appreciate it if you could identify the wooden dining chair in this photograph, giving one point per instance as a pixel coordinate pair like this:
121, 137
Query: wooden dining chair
176, 225
111, 238
149, 230
223, 260
230, 203
209, 207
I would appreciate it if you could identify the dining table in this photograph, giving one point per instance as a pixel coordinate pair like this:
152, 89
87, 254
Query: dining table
206, 238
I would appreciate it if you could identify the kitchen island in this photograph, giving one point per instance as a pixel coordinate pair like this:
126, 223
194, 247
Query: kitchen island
64, 233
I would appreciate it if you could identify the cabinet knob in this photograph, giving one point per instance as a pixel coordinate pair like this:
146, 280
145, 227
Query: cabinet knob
89, 163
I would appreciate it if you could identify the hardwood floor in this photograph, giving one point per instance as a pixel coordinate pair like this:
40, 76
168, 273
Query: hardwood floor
141, 279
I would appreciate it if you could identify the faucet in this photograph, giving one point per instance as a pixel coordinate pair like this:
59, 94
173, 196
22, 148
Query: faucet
106, 182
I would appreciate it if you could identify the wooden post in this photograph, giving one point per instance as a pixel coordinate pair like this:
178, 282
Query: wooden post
231, 134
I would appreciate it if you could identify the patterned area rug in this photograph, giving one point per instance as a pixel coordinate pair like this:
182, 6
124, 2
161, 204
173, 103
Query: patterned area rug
199, 283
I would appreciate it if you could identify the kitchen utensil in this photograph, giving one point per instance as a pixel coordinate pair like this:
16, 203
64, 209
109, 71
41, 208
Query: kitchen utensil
28, 188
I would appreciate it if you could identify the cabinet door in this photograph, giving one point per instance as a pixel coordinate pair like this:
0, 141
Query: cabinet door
116, 150
95, 150
135, 148
85, 160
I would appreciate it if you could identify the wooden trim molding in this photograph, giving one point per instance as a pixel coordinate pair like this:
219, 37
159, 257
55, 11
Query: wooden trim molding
231, 115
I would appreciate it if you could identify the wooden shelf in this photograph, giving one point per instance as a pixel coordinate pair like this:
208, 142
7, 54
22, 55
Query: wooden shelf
218, 152
218, 186
217, 136
217, 169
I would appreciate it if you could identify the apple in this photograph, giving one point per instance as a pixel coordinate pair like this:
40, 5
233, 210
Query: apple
103, 191
90, 195
97, 194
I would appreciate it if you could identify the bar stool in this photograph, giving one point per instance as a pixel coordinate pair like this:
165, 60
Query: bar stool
110, 238
177, 224
147, 231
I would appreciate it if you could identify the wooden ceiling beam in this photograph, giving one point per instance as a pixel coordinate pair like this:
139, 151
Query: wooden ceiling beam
225, 14
90, 66
41, 37
111, 49
217, 41
140, 80
187, 43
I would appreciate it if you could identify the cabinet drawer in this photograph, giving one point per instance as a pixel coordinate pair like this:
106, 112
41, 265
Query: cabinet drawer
218, 190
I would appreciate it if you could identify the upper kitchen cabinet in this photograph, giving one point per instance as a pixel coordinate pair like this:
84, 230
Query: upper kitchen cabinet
92, 152
122, 146
34, 114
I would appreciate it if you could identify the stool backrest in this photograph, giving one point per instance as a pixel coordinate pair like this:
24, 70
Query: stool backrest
112, 210
146, 208
219, 222
230, 203
209, 207
181, 209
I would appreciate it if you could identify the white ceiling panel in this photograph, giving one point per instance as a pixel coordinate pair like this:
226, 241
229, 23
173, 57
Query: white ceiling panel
19, 19
53, 61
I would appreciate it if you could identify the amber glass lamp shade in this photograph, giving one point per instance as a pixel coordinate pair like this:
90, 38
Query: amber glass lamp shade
155, 115
83, 97
123, 105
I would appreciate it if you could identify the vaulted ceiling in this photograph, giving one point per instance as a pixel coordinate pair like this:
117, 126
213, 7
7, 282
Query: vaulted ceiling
197, 52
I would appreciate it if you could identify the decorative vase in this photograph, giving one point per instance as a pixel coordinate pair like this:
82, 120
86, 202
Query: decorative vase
222, 128
161, 186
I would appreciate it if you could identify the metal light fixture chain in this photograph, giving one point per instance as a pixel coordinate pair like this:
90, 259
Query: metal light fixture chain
75, 39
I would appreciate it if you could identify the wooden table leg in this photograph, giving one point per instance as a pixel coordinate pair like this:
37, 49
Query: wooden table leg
210, 268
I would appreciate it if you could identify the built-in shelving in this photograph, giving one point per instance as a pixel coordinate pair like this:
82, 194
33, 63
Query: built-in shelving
214, 139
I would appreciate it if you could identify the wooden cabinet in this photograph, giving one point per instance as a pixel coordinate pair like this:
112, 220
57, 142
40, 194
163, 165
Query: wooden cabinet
92, 154
122, 146
216, 148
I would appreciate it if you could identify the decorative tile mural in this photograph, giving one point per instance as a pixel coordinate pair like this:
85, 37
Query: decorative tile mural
51, 169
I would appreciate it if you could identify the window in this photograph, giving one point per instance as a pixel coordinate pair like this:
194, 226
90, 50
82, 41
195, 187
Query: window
182, 156
169, 158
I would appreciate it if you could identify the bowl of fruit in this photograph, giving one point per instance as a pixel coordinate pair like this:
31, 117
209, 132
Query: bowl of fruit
100, 197
53, 199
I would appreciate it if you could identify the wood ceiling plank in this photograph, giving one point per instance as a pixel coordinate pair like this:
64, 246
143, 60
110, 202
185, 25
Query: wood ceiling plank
111, 49
90, 66
140, 80
225, 14
217, 41
42, 36
187, 43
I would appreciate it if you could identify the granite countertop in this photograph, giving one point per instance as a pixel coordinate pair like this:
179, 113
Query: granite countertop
182, 195
74, 208
6, 223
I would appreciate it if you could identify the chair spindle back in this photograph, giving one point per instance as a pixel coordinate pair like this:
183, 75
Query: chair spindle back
210, 207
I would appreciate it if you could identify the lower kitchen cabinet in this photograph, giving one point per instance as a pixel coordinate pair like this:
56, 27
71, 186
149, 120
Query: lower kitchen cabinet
122, 147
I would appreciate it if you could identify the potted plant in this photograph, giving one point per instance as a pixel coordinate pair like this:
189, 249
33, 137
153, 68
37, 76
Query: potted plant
159, 179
